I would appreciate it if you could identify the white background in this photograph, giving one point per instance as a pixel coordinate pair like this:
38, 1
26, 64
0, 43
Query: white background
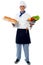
8, 33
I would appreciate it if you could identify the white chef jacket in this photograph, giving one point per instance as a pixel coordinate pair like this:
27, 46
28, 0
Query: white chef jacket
22, 21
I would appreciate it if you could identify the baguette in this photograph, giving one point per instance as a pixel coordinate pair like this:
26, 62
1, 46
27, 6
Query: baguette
10, 19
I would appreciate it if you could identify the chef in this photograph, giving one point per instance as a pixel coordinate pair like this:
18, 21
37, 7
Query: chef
22, 35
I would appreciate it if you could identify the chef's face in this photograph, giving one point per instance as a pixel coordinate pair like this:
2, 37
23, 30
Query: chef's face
22, 8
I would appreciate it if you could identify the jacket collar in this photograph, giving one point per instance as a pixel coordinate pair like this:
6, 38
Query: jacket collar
21, 13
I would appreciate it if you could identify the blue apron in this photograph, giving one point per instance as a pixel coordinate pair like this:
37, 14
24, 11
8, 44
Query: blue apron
22, 36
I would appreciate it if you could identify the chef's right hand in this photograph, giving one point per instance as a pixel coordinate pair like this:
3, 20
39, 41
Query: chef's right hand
13, 24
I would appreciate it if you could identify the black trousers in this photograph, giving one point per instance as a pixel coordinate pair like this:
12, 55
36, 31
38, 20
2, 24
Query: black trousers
23, 36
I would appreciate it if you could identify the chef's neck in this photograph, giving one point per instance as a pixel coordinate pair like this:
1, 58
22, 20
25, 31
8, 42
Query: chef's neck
22, 11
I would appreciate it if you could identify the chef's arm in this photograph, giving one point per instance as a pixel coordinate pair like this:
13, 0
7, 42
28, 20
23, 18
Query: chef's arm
30, 20
29, 26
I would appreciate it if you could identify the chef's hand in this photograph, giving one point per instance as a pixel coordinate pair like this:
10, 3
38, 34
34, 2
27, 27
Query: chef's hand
13, 24
31, 25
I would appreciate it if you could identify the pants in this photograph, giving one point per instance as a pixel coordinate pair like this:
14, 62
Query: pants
26, 51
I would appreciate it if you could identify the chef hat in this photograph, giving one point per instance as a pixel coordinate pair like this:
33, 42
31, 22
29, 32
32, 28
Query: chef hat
22, 3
